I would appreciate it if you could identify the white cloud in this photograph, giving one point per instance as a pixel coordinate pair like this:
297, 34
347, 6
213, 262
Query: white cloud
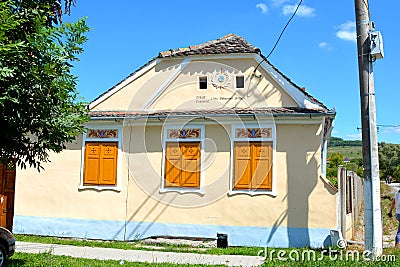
325, 45
277, 3
347, 31
354, 136
263, 7
303, 11
390, 130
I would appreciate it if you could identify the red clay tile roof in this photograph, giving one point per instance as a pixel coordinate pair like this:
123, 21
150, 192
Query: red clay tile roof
208, 113
230, 43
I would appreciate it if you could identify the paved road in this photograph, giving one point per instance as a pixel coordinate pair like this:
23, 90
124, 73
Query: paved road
138, 255
395, 186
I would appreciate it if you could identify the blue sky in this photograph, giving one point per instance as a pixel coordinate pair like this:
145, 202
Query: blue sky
318, 50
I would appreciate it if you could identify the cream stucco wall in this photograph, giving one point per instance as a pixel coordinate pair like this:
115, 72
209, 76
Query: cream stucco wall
54, 192
302, 199
135, 94
168, 85
259, 91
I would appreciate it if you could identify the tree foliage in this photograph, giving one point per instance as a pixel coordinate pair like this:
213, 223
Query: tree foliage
39, 111
389, 160
335, 160
336, 141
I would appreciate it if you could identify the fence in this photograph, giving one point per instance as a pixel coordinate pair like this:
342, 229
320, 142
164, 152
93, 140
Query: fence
351, 198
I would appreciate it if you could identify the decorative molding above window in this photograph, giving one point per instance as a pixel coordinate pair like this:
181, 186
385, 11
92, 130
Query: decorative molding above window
102, 133
253, 133
184, 133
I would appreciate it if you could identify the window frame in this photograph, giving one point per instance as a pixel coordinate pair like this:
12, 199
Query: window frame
234, 139
183, 190
118, 140
244, 81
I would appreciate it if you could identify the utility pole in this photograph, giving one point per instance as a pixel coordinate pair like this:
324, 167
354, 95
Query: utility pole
372, 207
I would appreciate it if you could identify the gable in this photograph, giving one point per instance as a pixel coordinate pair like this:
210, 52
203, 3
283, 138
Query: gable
184, 91
135, 91
171, 82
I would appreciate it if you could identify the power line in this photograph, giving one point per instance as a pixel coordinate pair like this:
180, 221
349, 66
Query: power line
280, 35
391, 126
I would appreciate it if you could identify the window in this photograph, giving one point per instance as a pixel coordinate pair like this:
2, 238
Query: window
100, 165
203, 82
239, 81
252, 156
183, 159
182, 164
252, 166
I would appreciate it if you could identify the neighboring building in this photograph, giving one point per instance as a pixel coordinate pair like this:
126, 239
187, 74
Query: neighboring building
201, 140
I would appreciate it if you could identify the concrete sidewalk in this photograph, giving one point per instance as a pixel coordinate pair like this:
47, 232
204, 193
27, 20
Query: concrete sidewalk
138, 255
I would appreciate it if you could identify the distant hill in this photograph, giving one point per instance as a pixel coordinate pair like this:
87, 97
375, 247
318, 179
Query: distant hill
350, 149
336, 141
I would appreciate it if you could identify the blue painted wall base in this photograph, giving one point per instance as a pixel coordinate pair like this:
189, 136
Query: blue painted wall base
118, 230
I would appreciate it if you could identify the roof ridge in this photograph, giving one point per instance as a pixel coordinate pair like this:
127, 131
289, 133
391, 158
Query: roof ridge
229, 43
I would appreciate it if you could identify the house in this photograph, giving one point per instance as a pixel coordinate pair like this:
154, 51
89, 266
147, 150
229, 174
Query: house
198, 141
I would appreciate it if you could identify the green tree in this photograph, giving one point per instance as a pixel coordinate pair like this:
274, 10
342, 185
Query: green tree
389, 159
332, 169
356, 165
335, 160
39, 108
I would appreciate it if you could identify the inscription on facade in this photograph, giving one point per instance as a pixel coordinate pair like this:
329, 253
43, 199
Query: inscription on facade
202, 99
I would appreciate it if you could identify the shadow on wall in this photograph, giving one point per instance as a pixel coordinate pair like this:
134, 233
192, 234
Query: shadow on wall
302, 173
76, 144
302, 178
144, 153
142, 226
258, 90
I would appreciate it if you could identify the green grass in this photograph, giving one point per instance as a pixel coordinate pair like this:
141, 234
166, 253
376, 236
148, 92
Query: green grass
335, 258
48, 260
351, 152
389, 224
137, 245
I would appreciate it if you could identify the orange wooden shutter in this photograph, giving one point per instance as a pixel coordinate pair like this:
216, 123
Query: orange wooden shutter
108, 164
92, 164
242, 168
190, 164
253, 165
182, 164
173, 164
262, 165
100, 166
